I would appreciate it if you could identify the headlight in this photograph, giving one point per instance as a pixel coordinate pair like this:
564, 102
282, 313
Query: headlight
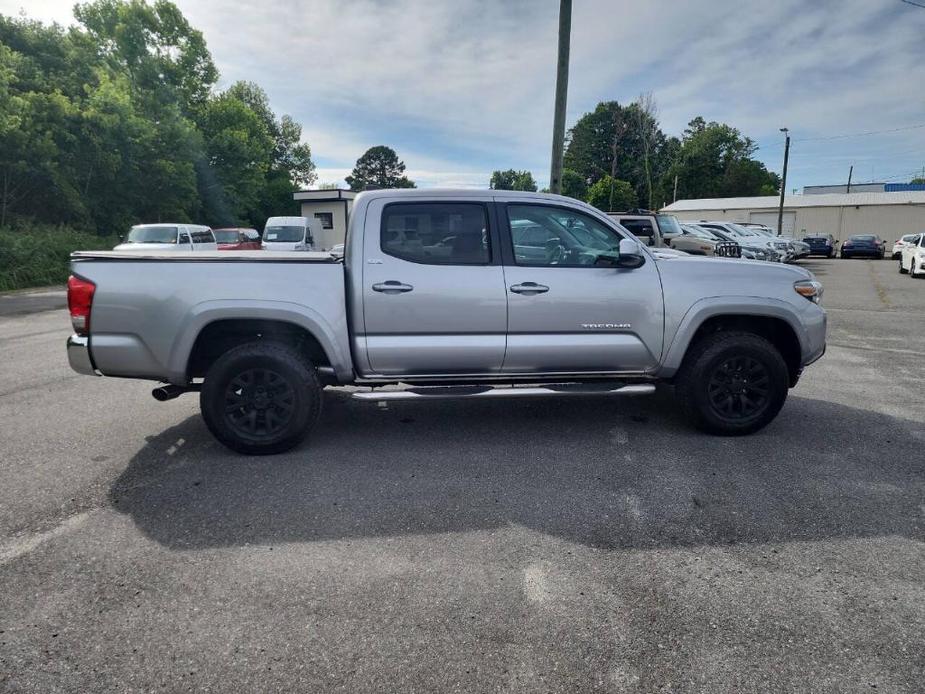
811, 289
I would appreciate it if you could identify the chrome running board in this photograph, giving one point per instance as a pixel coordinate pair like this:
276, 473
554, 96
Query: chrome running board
470, 392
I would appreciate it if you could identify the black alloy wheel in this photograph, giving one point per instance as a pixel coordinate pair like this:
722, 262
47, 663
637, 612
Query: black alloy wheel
258, 404
261, 397
738, 388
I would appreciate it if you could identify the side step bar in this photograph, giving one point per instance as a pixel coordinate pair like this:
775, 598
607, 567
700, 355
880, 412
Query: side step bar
470, 392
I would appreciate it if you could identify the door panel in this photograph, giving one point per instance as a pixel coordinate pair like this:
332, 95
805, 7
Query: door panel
591, 319
441, 308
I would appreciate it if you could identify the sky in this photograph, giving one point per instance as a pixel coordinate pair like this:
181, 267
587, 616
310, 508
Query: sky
462, 87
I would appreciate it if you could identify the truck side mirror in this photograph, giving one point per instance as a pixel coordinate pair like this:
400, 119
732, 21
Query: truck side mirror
628, 256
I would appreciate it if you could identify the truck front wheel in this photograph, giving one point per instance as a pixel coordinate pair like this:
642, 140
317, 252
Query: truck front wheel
732, 383
261, 398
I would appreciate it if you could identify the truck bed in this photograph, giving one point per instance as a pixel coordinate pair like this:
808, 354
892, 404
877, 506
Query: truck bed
229, 256
149, 307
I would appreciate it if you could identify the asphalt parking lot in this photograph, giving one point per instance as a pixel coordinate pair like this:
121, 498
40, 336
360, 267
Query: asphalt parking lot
570, 545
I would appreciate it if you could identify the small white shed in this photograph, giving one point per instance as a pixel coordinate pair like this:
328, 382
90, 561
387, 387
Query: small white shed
331, 208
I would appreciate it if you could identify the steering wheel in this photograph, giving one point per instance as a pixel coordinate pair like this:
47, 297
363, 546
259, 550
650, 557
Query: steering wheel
555, 251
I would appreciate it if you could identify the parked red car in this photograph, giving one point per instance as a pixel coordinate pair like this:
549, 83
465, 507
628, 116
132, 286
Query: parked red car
237, 239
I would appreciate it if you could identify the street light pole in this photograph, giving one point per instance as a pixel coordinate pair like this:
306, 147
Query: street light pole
783, 183
558, 126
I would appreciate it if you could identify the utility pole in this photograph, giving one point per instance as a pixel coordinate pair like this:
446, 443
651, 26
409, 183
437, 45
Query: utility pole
675, 197
850, 171
783, 183
558, 126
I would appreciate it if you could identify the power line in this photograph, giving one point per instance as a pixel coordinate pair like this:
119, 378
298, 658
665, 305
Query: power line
914, 4
849, 135
869, 132
911, 174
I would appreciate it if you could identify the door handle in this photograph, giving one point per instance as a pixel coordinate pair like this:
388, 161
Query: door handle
392, 287
529, 288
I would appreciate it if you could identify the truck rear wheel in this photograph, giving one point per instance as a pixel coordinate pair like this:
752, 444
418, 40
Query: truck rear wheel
732, 383
261, 398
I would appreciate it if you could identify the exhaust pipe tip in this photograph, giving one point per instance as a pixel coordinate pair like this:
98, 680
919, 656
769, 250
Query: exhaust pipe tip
168, 392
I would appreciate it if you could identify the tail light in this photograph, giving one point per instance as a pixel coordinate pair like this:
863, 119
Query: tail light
79, 301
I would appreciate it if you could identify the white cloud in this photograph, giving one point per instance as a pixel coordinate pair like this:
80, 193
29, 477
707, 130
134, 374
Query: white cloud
468, 86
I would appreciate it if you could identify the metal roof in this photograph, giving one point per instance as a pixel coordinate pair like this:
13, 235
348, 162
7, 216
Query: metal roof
771, 202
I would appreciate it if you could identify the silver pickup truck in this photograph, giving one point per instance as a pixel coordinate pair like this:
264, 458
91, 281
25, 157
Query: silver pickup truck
462, 294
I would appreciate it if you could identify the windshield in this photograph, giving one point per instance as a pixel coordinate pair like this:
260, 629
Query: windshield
742, 231
862, 237
668, 224
226, 235
284, 234
155, 234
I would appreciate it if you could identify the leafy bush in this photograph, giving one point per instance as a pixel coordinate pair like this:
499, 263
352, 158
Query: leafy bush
612, 195
39, 256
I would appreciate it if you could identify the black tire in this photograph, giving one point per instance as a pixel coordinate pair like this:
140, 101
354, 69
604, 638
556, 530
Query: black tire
751, 364
901, 271
261, 398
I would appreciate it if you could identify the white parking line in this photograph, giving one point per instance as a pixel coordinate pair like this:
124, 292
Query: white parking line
13, 549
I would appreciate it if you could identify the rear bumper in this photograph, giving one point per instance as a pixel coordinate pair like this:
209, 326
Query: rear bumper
78, 355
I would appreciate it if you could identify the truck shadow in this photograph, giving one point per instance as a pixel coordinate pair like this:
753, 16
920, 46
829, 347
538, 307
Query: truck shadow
604, 473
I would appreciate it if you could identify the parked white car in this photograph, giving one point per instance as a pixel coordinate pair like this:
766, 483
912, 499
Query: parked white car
291, 234
900, 244
912, 260
167, 236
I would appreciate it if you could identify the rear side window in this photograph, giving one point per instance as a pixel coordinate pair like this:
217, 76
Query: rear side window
638, 227
436, 233
203, 237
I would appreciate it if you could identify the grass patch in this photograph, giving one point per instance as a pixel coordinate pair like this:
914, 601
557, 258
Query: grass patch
40, 256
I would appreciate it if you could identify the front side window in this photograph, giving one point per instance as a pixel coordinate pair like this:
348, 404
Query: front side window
555, 236
152, 234
436, 233
668, 223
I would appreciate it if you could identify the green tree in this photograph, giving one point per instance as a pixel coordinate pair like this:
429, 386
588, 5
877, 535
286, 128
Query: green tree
238, 151
155, 45
113, 121
379, 166
512, 180
715, 161
610, 195
574, 185
623, 142
918, 180
290, 165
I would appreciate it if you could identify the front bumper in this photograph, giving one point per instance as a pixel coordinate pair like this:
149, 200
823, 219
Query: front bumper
78, 355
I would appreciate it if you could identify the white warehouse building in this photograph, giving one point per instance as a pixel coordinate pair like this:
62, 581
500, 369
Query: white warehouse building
890, 215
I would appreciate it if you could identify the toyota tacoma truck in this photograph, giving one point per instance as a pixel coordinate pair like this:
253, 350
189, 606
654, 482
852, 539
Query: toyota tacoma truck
447, 294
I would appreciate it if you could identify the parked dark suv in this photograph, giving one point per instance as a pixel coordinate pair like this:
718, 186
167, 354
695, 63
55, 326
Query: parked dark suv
869, 245
821, 244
